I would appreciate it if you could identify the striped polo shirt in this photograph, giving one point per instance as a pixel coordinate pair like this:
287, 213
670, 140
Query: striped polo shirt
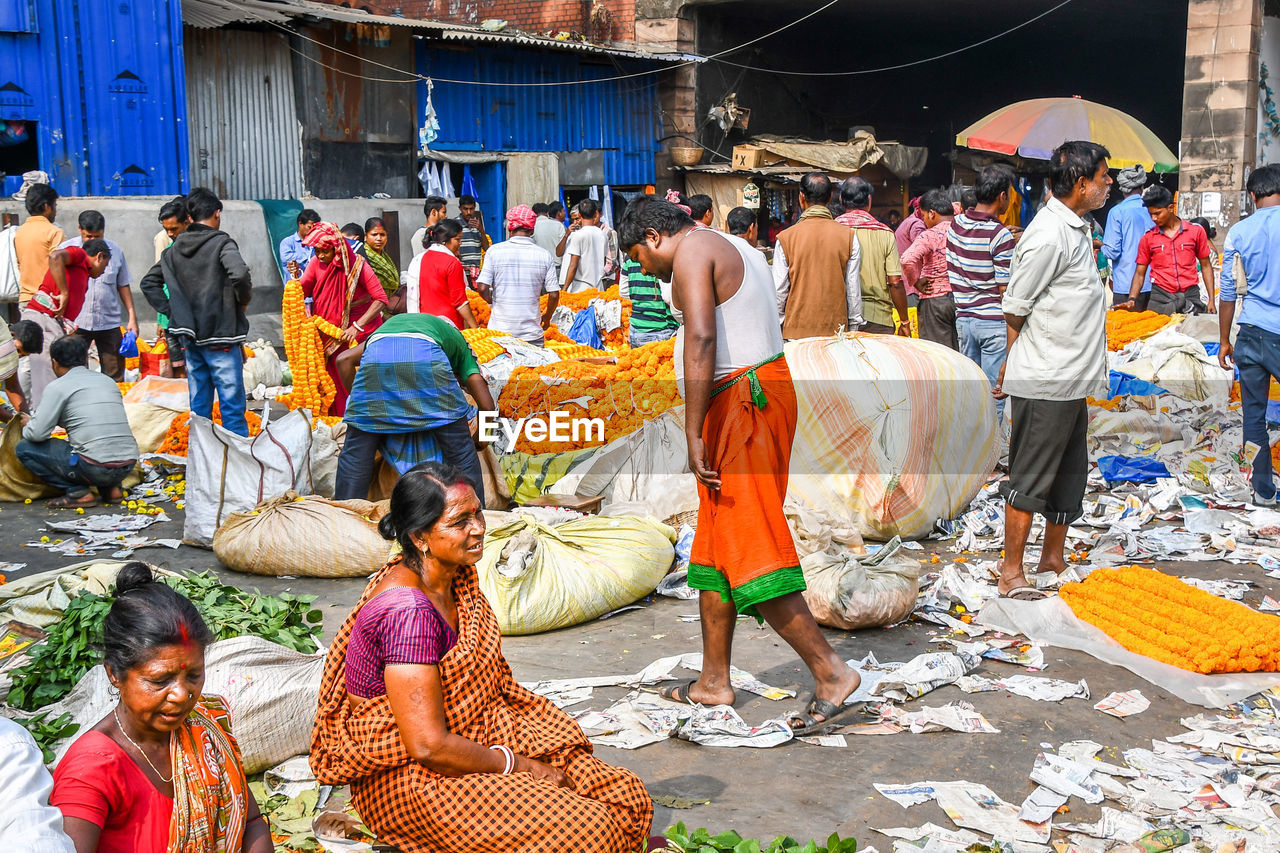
649, 311
979, 249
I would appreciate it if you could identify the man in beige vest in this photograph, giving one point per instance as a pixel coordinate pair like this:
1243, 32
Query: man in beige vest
816, 268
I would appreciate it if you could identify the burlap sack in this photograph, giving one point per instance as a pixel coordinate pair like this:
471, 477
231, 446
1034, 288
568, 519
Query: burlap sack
16, 482
307, 537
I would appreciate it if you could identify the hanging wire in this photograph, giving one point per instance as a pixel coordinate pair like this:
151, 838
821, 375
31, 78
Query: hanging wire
414, 77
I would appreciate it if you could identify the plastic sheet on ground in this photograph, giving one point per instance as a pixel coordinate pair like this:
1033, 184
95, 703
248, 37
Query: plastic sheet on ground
1051, 621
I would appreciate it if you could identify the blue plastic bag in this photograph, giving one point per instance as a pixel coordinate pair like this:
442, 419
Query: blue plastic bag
584, 329
129, 345
1122, 384
1132, 469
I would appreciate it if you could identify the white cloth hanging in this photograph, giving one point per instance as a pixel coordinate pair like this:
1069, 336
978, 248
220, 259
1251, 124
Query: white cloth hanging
606, 207
593, 193
446, 182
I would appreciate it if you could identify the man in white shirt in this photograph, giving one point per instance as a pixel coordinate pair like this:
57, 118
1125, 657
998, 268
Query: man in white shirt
513, 276
549, 230
27, 823
1056, 311
584, 250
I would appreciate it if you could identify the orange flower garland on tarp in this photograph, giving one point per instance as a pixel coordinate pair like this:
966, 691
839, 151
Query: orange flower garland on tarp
1125, 327
313, 387
638, 388
1160, 617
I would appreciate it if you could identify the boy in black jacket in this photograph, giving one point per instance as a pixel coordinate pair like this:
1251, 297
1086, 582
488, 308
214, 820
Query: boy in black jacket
209, 289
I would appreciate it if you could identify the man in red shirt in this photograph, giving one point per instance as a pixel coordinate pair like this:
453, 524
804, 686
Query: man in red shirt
1171, 249
59, 300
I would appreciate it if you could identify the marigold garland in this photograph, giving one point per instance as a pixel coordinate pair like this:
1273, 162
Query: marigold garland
1162, 618
179, 434
313, 387
1125, 327
636, 389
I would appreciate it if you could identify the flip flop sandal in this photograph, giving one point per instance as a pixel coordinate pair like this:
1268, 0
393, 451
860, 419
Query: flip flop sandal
1025, 593
679, 692
835, 716
66, 502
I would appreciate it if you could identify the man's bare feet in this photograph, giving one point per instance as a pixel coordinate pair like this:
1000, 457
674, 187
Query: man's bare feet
1011, 577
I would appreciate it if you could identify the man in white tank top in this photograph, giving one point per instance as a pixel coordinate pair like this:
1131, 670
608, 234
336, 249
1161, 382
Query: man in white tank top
740, 419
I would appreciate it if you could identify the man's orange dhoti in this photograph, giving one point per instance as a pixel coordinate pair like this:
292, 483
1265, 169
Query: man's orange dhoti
743, 548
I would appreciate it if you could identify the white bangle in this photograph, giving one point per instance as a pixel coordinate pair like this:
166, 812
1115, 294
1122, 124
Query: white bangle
511, 758
357, 327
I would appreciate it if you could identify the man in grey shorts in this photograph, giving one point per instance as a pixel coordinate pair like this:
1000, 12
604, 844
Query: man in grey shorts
1055, 308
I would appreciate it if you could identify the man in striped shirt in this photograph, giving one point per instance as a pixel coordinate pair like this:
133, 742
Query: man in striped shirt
979, 249
651, 317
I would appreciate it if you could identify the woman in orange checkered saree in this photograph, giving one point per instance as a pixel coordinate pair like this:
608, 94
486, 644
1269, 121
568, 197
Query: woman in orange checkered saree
420, 715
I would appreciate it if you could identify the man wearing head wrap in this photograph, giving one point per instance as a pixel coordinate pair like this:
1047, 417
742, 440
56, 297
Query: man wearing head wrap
513, 277
1126, 223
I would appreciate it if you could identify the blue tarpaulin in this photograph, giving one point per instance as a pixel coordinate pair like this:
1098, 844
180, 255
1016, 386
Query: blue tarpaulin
1122, 384
1132, 469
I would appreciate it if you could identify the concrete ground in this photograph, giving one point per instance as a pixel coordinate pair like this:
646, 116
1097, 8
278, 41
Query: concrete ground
795, 789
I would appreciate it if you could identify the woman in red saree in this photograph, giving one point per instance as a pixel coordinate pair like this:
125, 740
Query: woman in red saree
161, 772
341, 287
420, 715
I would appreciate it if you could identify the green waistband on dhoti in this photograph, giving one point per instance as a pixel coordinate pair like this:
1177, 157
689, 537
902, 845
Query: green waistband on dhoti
757, 393
756, 591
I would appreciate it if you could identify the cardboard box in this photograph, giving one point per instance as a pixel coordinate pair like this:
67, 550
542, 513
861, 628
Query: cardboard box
748, 157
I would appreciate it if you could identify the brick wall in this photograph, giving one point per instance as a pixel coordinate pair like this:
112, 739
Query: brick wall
546, 16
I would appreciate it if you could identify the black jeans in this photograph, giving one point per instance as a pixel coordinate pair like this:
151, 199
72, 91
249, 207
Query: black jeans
109, 357
355, 462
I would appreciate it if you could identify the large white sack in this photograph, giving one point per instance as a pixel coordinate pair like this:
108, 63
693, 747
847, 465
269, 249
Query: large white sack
893, 433
270, 690
540, 576
264, 368
228, 473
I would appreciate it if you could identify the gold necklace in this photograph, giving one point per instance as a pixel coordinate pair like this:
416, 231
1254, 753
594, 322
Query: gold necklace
140, 749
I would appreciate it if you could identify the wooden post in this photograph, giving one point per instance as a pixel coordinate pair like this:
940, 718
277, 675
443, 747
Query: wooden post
391, 219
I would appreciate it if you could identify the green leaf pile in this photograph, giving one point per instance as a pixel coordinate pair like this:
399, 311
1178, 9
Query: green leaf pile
72, 647
49, 732
702, 841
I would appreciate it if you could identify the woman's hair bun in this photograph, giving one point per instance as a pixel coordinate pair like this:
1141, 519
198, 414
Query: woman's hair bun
387, 528
132, 576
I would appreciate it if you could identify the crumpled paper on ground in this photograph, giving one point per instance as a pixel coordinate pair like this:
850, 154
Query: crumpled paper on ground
926, 672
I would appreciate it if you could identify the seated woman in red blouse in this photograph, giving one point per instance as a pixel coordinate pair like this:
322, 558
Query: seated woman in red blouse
161, 772
436, 284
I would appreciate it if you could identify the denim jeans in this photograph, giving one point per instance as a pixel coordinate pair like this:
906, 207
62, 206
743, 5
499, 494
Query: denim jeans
53, 462
355, 462
1257, 355
639, 339
985, 343
220, 370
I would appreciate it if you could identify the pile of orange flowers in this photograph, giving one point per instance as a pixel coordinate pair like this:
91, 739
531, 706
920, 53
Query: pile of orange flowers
613, 340
1160, 617
1110, 405
624, 395
313, 387
179, 434
486, 349
1125, 327
575, 350
125, 386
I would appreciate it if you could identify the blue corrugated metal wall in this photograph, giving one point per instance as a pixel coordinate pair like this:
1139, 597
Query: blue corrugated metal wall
104, 82
619, 116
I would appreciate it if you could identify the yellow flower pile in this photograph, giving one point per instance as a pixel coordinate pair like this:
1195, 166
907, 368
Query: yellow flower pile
313, 387
1125, 327
1162, 618
637, 388
481, 343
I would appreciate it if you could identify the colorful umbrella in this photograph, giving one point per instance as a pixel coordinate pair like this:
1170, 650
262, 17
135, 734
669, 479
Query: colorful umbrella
1034, 128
